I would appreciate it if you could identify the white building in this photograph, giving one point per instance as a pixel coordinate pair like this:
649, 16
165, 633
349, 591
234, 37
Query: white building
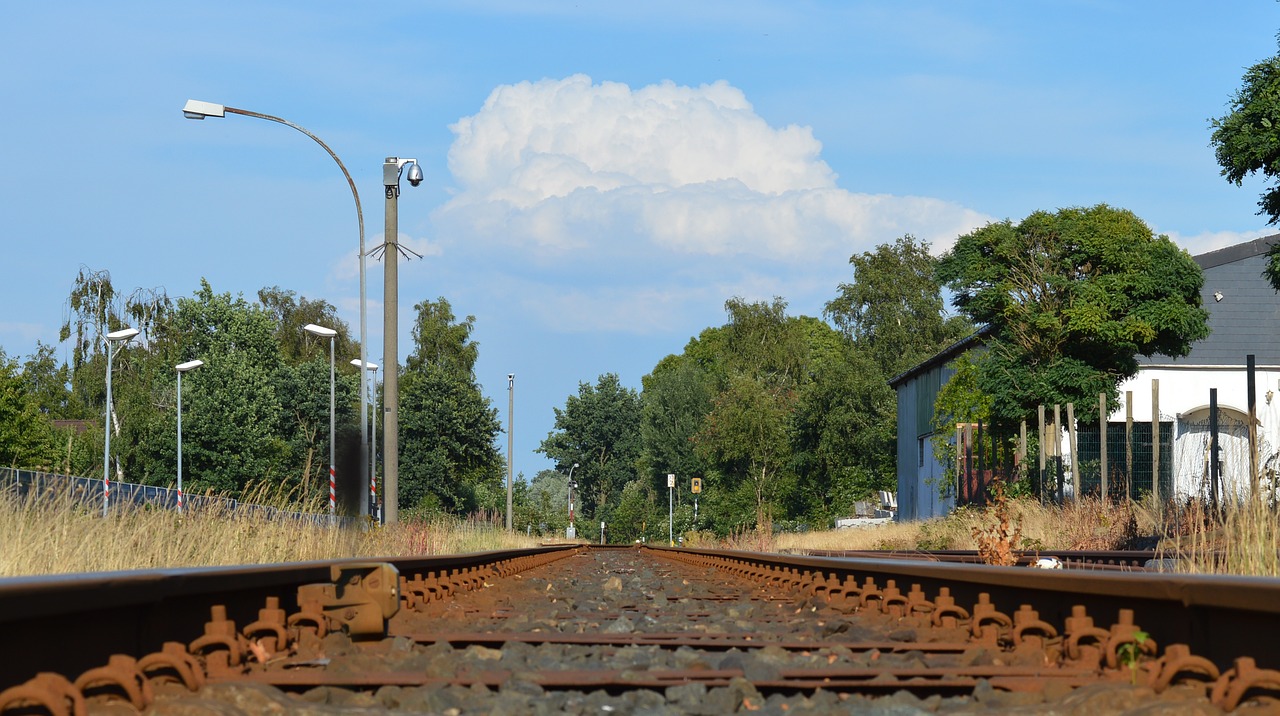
1244, 319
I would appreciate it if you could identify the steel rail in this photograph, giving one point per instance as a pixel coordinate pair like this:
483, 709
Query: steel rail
1219, 617
69, 623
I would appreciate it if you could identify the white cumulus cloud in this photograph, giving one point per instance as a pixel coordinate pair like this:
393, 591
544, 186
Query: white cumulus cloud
663, 179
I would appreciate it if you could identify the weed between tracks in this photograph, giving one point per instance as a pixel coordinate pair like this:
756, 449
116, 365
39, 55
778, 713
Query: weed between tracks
55, 536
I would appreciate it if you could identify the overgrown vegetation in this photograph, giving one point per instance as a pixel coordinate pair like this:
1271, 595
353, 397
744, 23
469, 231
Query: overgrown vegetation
54, 535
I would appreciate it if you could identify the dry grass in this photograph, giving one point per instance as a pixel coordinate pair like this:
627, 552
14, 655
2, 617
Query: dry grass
1027, 526
1242, 538
53, 536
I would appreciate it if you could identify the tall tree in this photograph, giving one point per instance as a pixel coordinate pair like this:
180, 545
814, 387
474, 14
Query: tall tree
843, 428
448, 428
599, 428
676, 398
290, 313
894, 310
1071, 299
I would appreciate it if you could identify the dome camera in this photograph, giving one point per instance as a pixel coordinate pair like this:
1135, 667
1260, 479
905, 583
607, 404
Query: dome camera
415, 174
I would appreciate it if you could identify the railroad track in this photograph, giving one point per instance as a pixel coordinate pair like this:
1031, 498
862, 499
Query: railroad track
573, 628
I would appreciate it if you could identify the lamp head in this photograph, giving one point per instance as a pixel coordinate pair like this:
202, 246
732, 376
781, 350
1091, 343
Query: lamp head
184, 367
195, 109
367, 366
414, 175
319, 330
123, 334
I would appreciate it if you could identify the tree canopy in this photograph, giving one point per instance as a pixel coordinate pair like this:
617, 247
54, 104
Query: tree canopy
1069, 300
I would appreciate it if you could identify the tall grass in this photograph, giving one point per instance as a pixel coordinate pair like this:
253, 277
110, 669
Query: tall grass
54, 535
1239, 538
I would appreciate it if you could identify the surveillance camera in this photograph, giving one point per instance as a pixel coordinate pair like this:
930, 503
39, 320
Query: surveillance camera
415, 174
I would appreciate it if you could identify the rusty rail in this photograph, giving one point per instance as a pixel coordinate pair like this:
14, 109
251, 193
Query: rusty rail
117, 631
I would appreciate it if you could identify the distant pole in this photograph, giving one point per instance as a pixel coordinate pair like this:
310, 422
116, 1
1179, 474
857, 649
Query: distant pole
511, 406
1075, 457
1213, 447
1040, 414
671, 491
182, 368
1102, 441
122, 336
1155, 439
1057, 448
1128, 445
1253, 427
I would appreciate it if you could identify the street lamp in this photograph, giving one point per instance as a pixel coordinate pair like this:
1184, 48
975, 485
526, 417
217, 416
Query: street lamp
391, 171
120, 337
511, 406
373, 440
195, 109
571, 532
182, 368
333, 492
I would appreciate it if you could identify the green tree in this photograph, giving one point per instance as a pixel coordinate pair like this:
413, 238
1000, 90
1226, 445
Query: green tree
599, 428
25, 434
448, 428
289, 313
233, 413
48, 381
844, 428
1246, 140
894, 310
1070, 299
676, 398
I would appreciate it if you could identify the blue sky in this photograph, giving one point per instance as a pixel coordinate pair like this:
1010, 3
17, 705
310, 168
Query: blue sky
599, 178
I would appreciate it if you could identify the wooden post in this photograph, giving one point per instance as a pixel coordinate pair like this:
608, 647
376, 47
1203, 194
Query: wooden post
1155, 439
959, 459
1075, 456
1102, 442
1128, 445
1022, 447
1040, 479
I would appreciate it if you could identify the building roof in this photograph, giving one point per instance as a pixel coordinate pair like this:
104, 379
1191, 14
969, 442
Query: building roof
1231, 254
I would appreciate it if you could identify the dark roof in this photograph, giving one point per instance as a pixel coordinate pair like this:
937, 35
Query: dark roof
941, 358
1231, 254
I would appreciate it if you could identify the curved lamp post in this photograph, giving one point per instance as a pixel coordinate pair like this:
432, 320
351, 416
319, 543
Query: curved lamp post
115, 341
195, 109
182, 368
373, 439
329, 333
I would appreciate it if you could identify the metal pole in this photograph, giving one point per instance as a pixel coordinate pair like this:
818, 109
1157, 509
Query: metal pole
1040, 485
390, 348
374, 505
1102, 442
1213, 447
179, 442
106, 442
1155, 439
333, 492
671, 488
511, 404
1128, 445
1253, 427
1075, 457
